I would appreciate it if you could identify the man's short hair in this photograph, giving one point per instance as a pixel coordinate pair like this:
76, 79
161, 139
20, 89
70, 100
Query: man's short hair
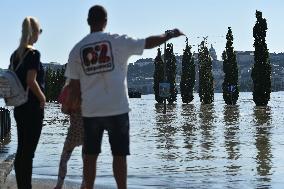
97, 14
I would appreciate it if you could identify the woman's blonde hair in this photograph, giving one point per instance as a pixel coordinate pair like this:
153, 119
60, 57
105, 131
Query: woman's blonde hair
30, 29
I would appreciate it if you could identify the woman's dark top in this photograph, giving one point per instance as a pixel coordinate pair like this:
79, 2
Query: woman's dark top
30, 62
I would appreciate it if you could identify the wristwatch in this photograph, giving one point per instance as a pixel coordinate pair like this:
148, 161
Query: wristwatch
170, 33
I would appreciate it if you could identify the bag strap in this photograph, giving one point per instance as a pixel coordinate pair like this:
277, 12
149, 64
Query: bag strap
20, 62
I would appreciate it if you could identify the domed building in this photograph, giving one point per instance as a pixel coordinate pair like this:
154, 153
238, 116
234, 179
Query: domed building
213, 53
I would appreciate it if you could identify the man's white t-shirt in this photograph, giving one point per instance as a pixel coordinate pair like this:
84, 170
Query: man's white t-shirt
99, 61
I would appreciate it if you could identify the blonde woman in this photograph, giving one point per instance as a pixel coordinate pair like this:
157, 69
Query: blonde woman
29, 116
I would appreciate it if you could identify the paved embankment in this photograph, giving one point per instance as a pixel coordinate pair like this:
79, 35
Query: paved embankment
37, 184
8, 181
6, 166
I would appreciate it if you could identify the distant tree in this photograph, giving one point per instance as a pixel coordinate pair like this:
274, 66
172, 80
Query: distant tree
230, 68
54, 81
57, 85
206, 88
261, 70
60, 81
171, 73
188, 75
158, 75
48, 85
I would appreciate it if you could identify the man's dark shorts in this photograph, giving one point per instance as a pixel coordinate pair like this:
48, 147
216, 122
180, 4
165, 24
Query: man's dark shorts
118, 132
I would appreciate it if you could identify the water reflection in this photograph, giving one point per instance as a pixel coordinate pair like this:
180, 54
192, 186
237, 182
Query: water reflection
232, 140
206, 125
262, 120
189, 127
3, 143
231, 114
166, 127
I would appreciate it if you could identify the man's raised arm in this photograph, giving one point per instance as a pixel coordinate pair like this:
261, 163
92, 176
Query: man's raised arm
157, 40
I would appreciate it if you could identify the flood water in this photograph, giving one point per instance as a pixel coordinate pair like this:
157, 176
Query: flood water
192, 146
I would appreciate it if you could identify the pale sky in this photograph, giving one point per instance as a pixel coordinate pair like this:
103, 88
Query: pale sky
64, 23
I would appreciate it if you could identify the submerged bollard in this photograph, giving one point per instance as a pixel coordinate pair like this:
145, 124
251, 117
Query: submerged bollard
5, 123
1, 124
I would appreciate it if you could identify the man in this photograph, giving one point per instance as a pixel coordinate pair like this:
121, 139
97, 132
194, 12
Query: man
98, 68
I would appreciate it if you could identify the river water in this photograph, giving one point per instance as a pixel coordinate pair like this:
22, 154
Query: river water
192, 146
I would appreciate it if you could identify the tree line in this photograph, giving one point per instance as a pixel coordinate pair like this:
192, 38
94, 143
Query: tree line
54, 81
261, 70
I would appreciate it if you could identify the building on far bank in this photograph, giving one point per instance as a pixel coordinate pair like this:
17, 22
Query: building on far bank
140, 74
53, 66
213, 53
144, 62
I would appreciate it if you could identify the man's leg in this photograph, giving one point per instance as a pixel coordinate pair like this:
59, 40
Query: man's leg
93, 133
120, 171
89, 170
118, 130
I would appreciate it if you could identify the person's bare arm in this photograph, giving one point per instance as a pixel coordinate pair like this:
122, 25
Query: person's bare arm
154, 41
34, 87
